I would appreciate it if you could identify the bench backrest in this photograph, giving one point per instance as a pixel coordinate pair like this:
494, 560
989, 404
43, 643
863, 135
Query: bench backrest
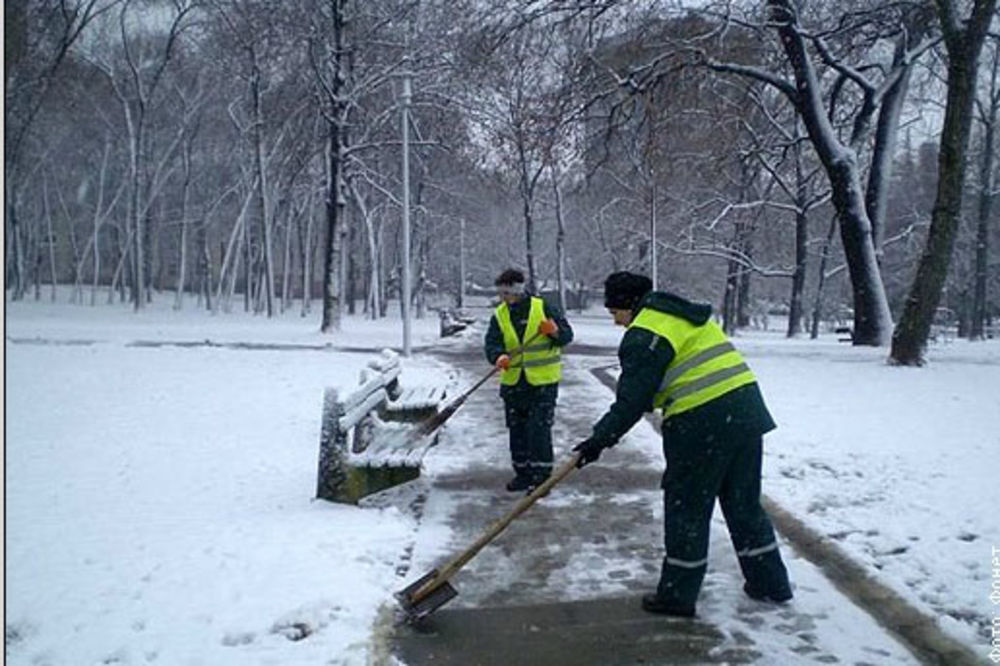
379, 384
384, 451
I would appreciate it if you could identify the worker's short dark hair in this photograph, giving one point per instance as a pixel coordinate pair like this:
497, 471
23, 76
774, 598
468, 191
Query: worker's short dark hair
509, 276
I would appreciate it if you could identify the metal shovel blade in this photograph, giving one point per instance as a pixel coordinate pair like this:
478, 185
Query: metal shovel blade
417, 603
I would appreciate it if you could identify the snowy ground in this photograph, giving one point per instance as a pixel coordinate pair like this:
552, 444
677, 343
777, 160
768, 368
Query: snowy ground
899, 465
159, 498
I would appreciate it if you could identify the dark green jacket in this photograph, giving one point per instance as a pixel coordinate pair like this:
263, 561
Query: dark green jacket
644, 357
494, 346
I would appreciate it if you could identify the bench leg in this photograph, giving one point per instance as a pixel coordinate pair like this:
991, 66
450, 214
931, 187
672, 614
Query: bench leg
333, 470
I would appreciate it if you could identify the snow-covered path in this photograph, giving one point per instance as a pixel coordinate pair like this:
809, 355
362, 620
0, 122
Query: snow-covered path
599, 536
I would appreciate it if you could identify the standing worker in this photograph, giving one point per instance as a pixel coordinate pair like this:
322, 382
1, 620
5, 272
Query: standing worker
675, 358
529, 383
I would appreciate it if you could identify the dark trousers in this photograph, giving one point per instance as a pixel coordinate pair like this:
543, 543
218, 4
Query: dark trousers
529, 418
699, 469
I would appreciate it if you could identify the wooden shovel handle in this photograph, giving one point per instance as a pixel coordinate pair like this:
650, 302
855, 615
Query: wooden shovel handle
452, 567
520, 350
462, 398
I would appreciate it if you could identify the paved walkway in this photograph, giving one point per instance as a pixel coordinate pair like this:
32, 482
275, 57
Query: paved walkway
562, 584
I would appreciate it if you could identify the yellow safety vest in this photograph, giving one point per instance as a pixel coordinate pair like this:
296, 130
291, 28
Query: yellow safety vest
706, 364
542, 359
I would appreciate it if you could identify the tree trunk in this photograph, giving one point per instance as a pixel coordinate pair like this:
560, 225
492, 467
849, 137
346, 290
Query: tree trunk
529, 246
331, 247
286, 262
795, 307
560, 241
205, 266
964, 314
30, 91
246, 245
98, 217
263, 205
743, 299
872, 318
50, 239
964, 46
228, 268
460, 300
345, 251
730, 296
371, 241
817, 312
985, 209
981, 269
185, 202
334, 192
35, 246
352, 271
119, 257
884, 153
420, 238
654, 267
238, 257
95, 241
305, 241
526, 186
15, 266
135, 217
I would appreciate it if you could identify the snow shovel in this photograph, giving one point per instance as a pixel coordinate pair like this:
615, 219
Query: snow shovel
434, 422
426, 595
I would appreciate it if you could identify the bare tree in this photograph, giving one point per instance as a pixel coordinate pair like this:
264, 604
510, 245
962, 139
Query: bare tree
135, 80
988, 115
785, 157
264, 56
329, 48
521, 103
560, 236
963, 39
872, 318
182, 259
38, 38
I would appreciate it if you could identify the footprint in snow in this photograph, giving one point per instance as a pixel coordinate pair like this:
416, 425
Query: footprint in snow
235, 638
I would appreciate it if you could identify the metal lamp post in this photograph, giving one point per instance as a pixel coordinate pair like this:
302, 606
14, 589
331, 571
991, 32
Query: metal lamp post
406, 291
461, 265
652, 230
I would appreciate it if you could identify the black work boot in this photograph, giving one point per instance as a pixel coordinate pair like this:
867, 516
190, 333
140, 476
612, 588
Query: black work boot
778, 596
533, 483
539, 479
519, 483
651, 603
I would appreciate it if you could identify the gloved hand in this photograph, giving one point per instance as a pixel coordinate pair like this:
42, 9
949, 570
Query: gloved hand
503, 362
590, 450
548, 327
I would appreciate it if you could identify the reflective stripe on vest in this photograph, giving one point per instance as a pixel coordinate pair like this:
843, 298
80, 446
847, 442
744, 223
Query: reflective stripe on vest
706, 364
542, 359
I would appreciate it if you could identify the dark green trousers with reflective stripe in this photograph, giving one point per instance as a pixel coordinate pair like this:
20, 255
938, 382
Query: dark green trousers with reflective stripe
529, 413
703, 465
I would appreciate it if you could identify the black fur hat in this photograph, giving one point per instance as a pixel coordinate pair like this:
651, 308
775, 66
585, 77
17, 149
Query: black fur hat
624, 290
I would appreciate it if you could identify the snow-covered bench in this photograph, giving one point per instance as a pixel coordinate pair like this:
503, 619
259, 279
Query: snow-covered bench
368, 440
454, 321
